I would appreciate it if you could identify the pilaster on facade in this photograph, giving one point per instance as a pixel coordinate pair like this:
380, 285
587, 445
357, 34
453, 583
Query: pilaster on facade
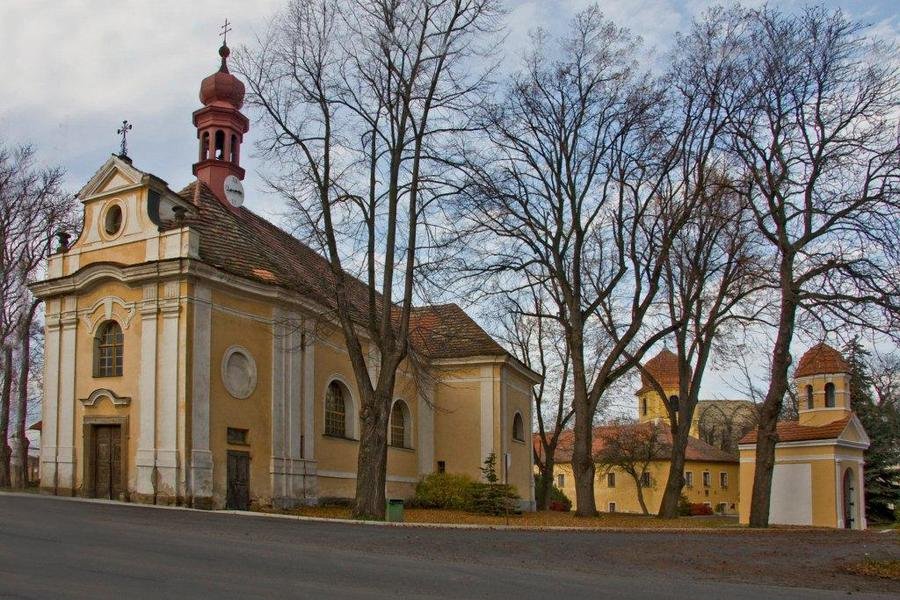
50, 404
425, 428
145, 458
169, 353
65, 448
487, 411
308, 341
288, 469
201, 471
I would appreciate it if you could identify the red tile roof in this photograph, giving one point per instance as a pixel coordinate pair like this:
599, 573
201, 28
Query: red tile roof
697, 449
238, 241
446, 331
664, 368
821, 359
793, 431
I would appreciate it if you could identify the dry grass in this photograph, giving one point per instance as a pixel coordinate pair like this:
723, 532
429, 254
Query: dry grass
883, 569
533, 519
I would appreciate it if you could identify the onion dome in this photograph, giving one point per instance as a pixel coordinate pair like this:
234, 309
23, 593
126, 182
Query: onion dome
222, 87
664, 368
821, 359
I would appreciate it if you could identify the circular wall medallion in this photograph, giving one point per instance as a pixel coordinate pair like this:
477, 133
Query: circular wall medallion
238, 372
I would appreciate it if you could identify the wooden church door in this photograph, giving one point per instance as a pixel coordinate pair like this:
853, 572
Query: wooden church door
107, 461
238, 491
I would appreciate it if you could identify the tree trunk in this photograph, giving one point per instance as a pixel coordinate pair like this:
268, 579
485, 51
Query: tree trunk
668, 508
583, 461
5, 397
640, 495
371, 473
20, 442
545, 481
771, 408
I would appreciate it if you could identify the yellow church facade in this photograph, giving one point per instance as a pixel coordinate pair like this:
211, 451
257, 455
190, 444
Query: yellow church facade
192, 355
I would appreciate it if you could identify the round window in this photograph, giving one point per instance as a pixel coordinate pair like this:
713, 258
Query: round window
238, 372
113, 221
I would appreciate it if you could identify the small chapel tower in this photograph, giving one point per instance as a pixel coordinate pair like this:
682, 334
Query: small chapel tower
220, 128
823, 386
664, 368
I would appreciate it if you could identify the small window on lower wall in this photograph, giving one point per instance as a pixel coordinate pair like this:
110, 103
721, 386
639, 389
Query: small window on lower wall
442, 466
560, 481
238, 437
612, 507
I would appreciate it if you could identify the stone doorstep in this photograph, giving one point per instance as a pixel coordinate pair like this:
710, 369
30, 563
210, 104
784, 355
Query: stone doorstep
247, 513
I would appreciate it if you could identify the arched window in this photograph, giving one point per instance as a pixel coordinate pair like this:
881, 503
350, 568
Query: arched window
518, 428
108, 350
829, 395
336, 410
809, 397
220, 145
400, 425
234, 149
673, 402
204, 146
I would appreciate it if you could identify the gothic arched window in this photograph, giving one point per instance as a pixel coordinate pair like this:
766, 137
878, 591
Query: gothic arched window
809, 397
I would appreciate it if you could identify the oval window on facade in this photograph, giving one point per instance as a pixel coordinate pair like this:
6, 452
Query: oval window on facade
112, 221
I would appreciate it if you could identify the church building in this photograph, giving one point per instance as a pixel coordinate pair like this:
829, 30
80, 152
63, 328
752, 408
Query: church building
818, 475
192, 355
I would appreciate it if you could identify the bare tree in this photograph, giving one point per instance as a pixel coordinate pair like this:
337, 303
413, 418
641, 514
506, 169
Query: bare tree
32, 208
711, 274
570, 192
631, 448
358, 100
538, 342
813, 126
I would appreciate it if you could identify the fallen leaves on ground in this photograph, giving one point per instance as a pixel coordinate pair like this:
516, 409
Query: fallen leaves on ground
528, 519
884, 569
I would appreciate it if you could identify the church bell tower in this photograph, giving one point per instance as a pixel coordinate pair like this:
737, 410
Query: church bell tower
220, 128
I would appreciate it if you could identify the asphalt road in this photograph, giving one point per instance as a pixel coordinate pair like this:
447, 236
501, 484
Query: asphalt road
57, 548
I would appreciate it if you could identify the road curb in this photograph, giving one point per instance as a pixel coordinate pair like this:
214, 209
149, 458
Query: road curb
464, 526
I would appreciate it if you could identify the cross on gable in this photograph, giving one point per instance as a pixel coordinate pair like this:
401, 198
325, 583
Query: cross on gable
123, 131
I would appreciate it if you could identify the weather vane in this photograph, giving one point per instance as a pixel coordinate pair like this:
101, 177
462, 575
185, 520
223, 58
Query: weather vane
123, 131
225, 29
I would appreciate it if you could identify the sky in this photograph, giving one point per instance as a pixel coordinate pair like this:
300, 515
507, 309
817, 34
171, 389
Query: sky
72, 70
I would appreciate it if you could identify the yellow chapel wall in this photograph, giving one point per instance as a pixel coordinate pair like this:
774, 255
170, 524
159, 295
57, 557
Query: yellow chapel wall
823, 476
240, 321
337, 457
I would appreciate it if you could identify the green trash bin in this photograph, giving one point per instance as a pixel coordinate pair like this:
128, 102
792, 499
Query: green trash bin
395, 510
